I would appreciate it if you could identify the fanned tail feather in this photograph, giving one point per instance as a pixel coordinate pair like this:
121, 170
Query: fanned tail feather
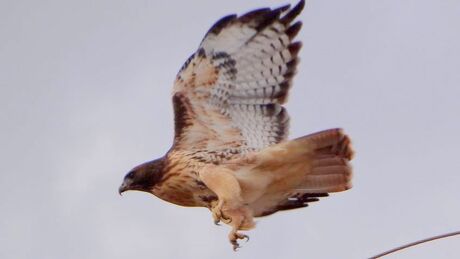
302, 170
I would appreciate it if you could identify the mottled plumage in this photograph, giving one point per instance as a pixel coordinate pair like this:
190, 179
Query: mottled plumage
230, 151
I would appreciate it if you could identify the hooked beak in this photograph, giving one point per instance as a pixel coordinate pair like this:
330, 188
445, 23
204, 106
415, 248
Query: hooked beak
124, 187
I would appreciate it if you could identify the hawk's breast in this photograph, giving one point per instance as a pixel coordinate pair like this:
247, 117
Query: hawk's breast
181, 185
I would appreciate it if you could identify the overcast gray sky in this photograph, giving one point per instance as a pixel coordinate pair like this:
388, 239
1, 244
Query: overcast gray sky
85, 95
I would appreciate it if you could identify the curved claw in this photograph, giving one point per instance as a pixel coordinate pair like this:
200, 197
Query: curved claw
216, 215
234, 240
228, 219
235, 245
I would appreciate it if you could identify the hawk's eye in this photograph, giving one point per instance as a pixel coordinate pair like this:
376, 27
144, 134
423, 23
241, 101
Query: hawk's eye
130, 175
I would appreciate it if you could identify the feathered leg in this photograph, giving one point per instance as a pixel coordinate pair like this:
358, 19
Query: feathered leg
230, 207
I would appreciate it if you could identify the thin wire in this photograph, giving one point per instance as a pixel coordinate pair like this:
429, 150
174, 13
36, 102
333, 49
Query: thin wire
415, 243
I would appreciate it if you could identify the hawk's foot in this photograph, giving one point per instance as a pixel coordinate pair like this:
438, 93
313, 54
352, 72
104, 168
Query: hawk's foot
234, 236
240, 219
218, 215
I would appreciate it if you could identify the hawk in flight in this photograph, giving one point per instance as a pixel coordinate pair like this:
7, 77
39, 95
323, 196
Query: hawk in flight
230, 152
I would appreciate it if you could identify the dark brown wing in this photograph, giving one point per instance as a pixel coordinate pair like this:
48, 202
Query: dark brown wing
298, 200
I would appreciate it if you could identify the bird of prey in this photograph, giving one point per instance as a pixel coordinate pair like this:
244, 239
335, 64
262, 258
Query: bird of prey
230, 152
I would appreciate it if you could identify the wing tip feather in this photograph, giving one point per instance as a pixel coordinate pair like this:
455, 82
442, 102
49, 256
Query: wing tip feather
293, 13
221, 23
294, 48
293, 30
254, 14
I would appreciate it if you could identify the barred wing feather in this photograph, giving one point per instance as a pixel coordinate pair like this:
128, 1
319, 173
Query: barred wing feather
228, 96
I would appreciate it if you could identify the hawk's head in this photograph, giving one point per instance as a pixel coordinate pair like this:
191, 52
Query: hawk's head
143, 177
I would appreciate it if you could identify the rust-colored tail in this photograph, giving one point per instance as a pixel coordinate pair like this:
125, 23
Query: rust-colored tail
330, 155
293, 173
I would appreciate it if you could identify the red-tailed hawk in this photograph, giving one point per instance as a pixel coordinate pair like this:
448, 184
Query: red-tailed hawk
230, 152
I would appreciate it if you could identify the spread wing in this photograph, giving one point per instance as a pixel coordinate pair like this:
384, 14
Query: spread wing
228, 96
